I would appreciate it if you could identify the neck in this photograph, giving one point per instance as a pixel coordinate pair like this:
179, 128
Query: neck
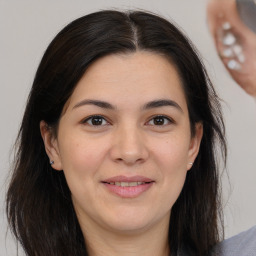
149, 242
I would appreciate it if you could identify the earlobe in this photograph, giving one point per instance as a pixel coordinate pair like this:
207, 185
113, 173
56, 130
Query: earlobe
195, 145
51, 146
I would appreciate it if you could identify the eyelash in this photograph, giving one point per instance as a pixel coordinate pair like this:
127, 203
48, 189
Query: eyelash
103, 119
90, 118
165, 118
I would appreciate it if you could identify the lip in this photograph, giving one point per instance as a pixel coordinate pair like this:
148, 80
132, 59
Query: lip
128, 179
129, 191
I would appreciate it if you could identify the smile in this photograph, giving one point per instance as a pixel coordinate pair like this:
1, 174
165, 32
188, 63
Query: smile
127, 184
128, 187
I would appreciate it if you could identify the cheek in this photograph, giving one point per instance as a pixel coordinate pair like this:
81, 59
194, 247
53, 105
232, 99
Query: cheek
171, 159
80, 154
172, 154
81, 159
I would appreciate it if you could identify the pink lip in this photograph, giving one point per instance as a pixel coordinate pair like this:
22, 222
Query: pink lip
128, 179
128, 192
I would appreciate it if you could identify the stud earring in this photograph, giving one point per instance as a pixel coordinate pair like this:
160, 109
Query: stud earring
191, 163
51, 162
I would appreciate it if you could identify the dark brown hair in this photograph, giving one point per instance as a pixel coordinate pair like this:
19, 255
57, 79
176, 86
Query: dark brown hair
39, 205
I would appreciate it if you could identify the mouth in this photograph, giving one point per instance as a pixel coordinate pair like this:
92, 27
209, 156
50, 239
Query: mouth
128, 187
127, 184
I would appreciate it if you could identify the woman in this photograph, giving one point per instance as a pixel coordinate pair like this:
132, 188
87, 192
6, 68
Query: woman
117, 148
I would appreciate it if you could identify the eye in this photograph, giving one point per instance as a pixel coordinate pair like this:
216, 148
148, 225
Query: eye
95, 120
160, 120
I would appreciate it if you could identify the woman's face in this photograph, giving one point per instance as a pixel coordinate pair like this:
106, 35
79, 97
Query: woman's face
124, 142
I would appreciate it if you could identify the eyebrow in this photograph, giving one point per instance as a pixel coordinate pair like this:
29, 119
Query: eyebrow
148, 105
98, 103
162, 103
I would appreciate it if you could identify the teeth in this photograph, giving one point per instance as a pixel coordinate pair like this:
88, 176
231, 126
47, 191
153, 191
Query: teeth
127, 184
124, 184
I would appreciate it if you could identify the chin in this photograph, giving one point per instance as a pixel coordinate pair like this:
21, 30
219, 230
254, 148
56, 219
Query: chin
129, 227
132, 221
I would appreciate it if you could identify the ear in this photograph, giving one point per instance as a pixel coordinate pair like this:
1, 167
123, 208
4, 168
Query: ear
51, 145
195, 145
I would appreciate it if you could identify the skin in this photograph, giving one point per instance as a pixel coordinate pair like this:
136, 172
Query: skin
219, 12
127, 142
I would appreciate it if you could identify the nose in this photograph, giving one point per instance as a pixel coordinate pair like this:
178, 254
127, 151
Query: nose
129, 146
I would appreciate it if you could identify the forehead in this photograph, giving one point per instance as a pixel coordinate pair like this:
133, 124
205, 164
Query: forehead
134, 77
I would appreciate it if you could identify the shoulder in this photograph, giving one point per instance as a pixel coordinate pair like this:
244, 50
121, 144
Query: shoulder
243, 244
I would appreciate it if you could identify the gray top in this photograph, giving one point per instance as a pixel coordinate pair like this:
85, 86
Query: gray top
243, 244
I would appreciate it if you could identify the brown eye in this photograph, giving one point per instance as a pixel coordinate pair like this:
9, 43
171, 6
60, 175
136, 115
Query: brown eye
95, 121
160, 120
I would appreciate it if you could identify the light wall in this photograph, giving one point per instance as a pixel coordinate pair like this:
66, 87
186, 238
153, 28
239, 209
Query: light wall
27, 27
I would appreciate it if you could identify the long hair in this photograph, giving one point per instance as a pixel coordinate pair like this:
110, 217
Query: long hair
39, 206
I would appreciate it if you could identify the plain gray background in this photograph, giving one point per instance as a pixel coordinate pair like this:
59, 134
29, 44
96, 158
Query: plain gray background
27, 27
